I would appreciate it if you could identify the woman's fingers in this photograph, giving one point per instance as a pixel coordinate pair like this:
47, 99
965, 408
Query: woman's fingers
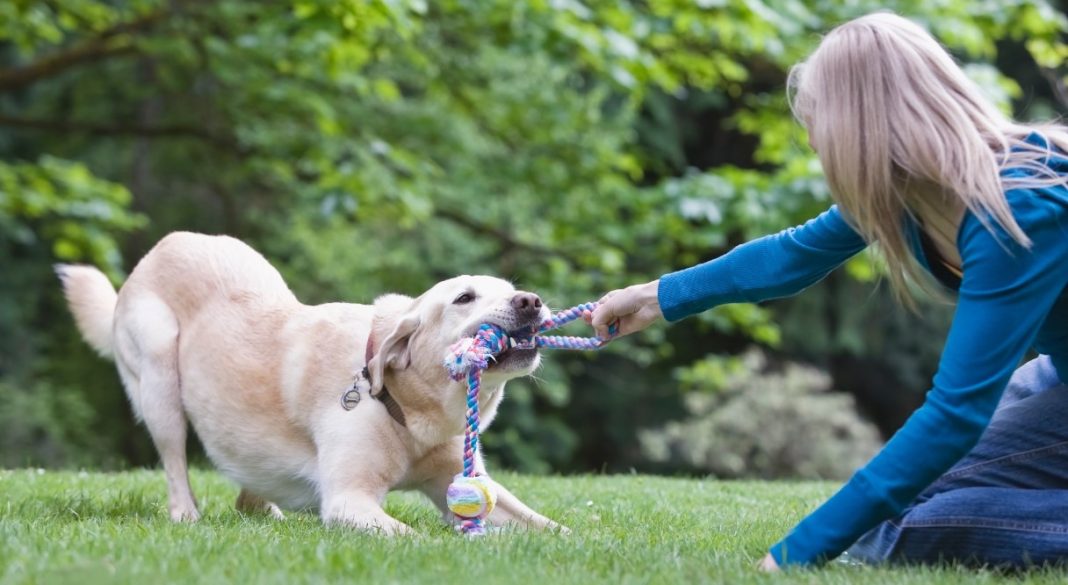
588, 317
637, 321
605, 313
634, 308
768, 564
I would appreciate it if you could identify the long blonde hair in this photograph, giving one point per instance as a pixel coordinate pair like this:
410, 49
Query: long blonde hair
893, 118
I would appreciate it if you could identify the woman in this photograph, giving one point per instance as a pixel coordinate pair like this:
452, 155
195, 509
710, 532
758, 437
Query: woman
921, 163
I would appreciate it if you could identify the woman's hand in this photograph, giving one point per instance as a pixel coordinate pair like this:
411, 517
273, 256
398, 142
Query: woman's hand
768, 564
635, 308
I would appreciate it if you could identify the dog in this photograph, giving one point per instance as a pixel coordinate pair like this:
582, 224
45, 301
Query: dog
206, 331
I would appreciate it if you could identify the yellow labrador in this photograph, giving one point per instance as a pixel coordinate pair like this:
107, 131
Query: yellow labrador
206, 330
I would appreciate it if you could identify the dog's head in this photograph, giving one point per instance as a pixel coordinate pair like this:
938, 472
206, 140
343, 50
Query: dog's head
413, 334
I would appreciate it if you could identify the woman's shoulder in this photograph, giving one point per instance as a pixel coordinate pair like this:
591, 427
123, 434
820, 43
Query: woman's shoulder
1035, 184
1040, 211
1034, 158
1039, 202
1037, 195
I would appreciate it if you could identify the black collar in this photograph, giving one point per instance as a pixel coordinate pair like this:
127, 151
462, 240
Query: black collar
392, 407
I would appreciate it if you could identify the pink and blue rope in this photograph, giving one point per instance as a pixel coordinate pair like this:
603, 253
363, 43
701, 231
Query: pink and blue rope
471, 356
472, 526
569, 342
491, 340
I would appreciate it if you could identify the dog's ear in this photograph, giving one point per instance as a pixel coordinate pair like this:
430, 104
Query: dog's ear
394, 350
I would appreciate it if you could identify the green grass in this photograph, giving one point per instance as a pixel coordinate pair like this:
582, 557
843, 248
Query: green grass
83, 528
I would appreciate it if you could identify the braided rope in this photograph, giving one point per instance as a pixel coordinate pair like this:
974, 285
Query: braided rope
472, 526
568, 342
470, 496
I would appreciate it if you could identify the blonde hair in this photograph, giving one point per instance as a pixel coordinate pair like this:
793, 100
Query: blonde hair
894, 118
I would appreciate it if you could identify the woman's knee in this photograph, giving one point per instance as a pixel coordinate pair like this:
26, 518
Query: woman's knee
1035, 376
986, 526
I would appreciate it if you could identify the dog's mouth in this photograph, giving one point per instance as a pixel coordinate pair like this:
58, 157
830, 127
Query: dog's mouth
520, 352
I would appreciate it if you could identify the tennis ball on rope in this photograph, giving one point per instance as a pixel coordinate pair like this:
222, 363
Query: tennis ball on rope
471, 497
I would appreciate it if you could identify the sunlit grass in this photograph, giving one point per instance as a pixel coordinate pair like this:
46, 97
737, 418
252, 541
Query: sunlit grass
78, 527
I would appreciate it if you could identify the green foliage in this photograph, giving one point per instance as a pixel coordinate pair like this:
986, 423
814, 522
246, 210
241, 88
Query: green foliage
62, 205
757, 423
368, 146
42, 423
52, 210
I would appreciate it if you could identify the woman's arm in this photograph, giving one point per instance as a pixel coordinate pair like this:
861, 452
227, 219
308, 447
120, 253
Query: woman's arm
1005, 295
774, 266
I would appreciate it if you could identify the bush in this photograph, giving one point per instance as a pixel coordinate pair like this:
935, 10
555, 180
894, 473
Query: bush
768, 423
41, 424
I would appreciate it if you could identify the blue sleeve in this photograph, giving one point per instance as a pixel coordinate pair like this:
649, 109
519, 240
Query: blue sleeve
1005, 295
774, 266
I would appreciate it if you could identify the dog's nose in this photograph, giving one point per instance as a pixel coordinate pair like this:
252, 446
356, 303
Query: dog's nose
526, 303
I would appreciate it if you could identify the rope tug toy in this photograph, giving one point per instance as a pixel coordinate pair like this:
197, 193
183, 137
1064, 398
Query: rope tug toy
471, 496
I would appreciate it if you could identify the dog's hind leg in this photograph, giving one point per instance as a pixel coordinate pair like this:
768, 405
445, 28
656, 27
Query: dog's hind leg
511, 510
249, 503
441, 465
148, 342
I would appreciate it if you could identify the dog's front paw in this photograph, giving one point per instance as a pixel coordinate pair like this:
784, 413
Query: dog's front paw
365, 517
383, 526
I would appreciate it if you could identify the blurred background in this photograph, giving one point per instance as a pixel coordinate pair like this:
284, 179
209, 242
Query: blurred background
571, 146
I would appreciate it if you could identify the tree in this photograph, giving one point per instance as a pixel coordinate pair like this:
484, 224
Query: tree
368, 146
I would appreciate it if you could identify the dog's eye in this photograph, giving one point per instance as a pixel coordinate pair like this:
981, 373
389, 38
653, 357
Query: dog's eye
464, 299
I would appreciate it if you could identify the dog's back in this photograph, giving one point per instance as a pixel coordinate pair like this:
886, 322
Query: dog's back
185, 271
188, 271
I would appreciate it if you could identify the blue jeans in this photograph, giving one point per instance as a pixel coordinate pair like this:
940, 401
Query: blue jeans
1006, 502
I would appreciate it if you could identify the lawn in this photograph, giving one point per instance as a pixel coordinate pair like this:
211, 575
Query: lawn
79, 527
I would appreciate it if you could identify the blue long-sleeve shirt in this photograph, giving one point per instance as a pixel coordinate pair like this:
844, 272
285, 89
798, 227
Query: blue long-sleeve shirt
1009, 299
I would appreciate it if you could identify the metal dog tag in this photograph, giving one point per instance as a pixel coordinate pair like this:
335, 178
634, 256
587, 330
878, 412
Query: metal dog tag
351, 397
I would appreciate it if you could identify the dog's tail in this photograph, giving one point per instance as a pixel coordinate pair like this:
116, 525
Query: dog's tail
92, 299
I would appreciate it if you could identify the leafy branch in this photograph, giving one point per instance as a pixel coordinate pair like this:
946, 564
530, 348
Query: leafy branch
96, 129
502, 236
100, 47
